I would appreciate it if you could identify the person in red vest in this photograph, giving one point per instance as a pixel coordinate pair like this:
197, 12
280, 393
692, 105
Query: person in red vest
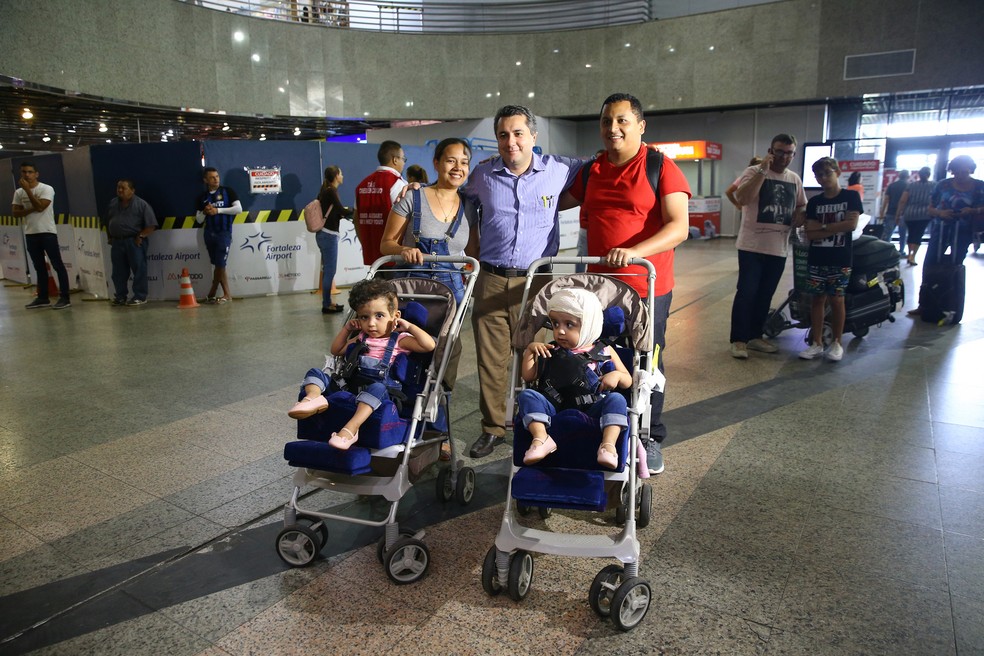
374, 198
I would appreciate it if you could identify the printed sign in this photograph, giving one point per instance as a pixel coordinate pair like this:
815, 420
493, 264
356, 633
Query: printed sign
264, 181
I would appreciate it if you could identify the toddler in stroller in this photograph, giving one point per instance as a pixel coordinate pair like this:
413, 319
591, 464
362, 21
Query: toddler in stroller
579, 476
389, 451
383, 335
573, 372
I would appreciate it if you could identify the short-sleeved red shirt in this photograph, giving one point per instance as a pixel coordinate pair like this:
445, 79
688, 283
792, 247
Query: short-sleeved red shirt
622, 210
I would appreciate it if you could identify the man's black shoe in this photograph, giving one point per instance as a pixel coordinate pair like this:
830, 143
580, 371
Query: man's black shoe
484, 444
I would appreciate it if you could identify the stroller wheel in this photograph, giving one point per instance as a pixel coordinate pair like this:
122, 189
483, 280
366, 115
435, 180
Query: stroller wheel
630, 603
620, 514
544, 512
861, 331
603, 588
466, 486
297, 545
407, 561
523, 509
317, 525
490, 575
645, 506
520, 575
381, 544
445, 489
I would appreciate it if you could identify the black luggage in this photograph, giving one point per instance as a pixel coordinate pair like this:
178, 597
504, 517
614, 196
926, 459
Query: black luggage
941, 296
872, 255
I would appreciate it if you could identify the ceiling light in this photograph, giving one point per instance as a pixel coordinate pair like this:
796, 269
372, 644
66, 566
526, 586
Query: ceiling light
556, 51
46, 138
109, 141
628, 45
671, 49
262, 137
365, 113
281, 90
297, 132
70, 130
710, 48
225, 127
103, 128
1, 146
256, 57
519, 63
488, 95
530, 94
28, 114
238, 35
587, 65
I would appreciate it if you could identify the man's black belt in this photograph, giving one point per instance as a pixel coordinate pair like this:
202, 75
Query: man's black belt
506, 272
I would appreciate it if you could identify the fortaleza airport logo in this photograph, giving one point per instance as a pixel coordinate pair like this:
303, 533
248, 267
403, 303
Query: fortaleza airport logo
169, 257
80, 247
262, 243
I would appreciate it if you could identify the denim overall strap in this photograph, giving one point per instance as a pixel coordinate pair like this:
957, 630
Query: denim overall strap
384, 362
416, 215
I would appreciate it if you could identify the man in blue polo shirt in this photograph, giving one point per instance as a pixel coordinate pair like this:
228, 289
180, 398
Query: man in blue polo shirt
217, 207
519, 193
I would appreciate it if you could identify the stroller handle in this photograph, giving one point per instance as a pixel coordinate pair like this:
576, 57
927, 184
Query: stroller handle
398, 260
583, 259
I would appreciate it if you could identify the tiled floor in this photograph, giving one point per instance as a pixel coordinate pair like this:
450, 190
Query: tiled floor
806, 508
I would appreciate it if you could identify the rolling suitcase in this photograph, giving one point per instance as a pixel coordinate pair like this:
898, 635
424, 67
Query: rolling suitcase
941, 296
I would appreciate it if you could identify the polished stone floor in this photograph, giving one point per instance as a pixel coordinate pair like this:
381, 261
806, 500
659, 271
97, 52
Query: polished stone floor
806, 507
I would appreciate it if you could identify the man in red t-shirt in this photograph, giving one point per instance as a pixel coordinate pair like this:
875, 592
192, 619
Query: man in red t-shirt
626, 219
374, 198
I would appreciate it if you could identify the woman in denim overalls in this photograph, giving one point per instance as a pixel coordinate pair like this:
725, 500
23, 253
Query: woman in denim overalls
436, 220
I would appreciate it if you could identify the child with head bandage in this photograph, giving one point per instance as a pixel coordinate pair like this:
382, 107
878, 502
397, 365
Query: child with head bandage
573, 372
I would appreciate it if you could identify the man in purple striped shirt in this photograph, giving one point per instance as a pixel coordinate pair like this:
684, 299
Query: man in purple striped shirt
519, 193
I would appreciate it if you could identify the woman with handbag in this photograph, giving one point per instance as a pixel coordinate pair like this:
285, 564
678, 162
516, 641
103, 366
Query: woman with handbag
436, 220
327, 237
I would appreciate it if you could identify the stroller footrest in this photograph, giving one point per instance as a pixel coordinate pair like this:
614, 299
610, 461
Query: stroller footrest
383, 428
318, 455
556, 487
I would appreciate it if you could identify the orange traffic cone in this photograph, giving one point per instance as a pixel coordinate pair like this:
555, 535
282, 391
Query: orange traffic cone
52, 285
187, 298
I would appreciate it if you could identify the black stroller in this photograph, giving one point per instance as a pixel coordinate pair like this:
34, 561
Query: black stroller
874, 293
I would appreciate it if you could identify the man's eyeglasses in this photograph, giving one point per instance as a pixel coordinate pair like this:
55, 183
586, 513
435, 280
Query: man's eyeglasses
402, 159
779, 152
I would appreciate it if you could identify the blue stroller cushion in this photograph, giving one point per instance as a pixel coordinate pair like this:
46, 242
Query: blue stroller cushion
383, 428
613, 322
318, 455
560, 488
578, 437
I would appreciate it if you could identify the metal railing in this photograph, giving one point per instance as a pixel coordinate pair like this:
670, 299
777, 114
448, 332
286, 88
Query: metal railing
442, 17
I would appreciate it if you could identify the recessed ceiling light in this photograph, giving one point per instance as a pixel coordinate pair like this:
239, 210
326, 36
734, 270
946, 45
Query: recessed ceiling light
256, 57
365, 113
70, 130
671, 49
530, 94
46, 138
102, 127
281, 90
556, 51
519, 63
109, 141
297, 132
587, 65
262, 137
710, 47
28, 114
628, 45
238, 35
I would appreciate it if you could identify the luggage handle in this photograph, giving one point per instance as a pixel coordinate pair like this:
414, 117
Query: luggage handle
940, 248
